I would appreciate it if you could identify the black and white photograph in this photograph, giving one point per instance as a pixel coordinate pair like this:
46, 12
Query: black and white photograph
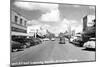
51, 33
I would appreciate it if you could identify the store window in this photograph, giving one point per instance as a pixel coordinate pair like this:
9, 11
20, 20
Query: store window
21, 21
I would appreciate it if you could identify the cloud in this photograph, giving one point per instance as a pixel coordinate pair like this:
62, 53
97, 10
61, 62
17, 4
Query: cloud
23, 5
62, 26
45, 26
78, 28
52, 16
33, 22
35, 6
51, 11
71, 25
73, 21
65, 25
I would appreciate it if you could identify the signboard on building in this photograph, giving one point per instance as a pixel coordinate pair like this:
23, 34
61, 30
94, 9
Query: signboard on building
30, 30
90, 21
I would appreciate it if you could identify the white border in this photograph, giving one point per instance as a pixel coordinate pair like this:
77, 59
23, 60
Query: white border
5, 33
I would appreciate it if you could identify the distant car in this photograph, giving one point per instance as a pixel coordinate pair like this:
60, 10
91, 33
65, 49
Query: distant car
90, 44
53, 39
46, 39
62, 40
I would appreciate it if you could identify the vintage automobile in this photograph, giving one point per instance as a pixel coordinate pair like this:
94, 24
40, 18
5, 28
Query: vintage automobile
15, 46
21, 39
91, 44
77, 40
33, 41
22, 42
62, 40
72, 39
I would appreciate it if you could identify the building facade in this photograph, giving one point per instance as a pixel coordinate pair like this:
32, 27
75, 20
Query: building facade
36, 30
18, 24
88, 21
89, 27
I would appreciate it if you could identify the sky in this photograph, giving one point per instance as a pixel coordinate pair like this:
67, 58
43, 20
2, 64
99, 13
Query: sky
55, 17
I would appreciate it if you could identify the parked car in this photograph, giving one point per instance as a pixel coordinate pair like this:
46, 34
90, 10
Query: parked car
15, 46
62, 40
26, 42
77, 40
37, 41
90, 44
33, 41
21, 39
72, 39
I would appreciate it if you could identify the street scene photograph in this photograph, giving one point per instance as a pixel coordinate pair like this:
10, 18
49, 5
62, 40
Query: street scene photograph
51, 33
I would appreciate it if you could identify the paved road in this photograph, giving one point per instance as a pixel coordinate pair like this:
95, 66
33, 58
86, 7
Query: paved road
52, 51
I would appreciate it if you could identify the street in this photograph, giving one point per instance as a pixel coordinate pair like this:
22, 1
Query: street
52, 51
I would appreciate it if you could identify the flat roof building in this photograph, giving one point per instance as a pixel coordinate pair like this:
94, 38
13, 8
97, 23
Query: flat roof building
18, 24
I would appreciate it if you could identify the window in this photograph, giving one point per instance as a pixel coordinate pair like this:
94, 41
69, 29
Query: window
16, 19
25, 23
21, 21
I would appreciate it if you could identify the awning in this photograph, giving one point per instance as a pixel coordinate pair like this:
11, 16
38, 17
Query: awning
18, 33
